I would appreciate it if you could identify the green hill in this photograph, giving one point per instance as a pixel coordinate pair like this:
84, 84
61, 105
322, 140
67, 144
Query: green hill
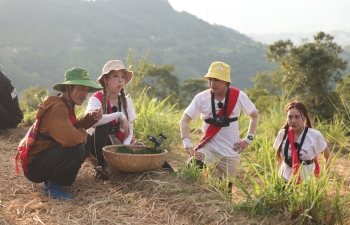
41, 39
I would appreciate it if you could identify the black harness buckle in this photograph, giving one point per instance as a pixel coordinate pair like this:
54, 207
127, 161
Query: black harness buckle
221, 121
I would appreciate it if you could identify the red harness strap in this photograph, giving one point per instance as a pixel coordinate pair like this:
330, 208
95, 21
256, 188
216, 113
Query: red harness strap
295, 157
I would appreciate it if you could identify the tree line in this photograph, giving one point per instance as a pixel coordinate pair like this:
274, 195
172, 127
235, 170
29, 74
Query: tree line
310, 72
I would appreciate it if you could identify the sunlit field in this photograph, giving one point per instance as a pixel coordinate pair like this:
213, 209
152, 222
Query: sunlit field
189, 195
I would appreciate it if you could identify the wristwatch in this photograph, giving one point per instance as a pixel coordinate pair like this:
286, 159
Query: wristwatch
250, 137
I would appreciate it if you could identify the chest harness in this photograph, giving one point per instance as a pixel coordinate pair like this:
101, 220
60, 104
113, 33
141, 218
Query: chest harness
221, 121
288, 160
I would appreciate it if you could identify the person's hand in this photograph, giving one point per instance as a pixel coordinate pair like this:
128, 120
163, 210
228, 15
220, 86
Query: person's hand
189, 151
240, 146
196, 154
97, 114
124, 124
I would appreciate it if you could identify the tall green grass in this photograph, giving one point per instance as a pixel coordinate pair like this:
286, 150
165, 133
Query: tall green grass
324, 200
155, 117
320, 201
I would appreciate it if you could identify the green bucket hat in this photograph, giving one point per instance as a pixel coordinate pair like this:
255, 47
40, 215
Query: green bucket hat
77, 76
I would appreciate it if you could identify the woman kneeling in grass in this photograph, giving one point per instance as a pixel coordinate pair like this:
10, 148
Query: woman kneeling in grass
298, 144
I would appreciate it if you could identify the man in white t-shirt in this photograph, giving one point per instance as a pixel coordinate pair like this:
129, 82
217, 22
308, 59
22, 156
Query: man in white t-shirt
219, 107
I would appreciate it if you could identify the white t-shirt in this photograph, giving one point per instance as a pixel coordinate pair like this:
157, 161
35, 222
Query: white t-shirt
224, 140
314, 144
95, 103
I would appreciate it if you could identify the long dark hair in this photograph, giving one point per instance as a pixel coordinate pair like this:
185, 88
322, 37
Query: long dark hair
301, 107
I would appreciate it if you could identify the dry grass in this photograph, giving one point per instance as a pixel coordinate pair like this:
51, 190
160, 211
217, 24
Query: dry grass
140, 198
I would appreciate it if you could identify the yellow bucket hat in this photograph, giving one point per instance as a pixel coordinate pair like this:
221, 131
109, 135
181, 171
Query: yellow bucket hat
220, 71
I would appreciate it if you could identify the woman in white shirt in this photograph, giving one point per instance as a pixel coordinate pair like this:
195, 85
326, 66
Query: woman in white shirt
308, 143
115, 127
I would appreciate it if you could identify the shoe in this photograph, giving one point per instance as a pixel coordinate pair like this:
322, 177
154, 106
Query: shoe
55, 191
101, 174
229, 186
195, 163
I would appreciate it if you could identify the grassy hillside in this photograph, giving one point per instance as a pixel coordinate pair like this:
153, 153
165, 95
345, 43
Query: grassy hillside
188, 195
40, 39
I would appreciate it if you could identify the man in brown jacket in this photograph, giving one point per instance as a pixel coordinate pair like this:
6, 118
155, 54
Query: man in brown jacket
58, 151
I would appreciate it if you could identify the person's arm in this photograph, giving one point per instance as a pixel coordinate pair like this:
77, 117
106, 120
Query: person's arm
128, 139
185, 132
276, 145
320, 147
106, 118
279, 162
93, 104
253, 125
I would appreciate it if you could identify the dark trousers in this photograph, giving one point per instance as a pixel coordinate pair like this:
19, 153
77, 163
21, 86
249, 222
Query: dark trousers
97, 141
7, 120
58, 165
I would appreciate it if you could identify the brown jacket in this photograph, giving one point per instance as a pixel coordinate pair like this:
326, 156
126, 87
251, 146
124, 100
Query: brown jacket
56, 124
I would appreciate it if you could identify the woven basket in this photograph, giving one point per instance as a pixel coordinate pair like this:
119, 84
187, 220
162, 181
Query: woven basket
133, 162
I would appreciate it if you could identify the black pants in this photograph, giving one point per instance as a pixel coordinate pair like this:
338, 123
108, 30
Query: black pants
7, 120
97, 141
59, 165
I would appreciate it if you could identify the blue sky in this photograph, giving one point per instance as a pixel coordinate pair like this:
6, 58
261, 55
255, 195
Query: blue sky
271, 16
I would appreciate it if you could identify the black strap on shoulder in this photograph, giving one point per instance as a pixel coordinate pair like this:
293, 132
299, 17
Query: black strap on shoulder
225, 106
299, 148
114, 129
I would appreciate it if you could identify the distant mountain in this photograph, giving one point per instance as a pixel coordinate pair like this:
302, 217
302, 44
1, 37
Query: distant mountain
41, 39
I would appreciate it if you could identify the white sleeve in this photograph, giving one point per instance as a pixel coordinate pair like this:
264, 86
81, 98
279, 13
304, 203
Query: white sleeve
106, 118
278, 139
127, 140
193, 110
319, 142
131, 110
93, 104
246, 104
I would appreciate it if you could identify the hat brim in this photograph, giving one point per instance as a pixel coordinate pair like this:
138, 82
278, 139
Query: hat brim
88, 83
128, 76
210, 75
